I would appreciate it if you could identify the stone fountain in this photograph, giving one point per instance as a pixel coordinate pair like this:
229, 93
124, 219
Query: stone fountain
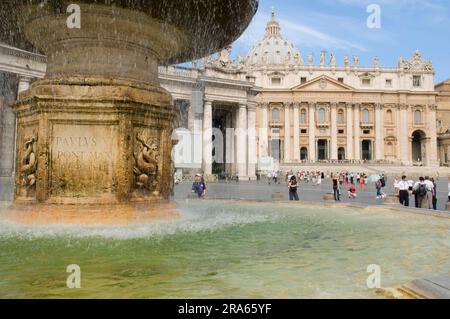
94, 136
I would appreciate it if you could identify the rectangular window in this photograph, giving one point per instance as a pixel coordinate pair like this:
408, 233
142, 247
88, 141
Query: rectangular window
276, 81
341, 80
303, 80
417, 81
341, 131
276, 131
304, 131
366, 132
366, 82
388, 83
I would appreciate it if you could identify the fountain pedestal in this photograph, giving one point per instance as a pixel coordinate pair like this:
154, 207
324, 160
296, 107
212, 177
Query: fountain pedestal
95, 135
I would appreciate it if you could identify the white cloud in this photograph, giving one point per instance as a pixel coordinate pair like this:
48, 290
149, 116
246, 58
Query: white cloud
301, 34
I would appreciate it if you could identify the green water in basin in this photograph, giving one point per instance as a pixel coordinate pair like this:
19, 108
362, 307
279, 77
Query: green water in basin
225, 250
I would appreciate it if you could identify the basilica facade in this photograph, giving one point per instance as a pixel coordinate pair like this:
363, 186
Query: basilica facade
280, 106
307, 111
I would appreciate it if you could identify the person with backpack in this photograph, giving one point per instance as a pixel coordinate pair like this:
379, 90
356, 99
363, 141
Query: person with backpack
421, 190
293, 195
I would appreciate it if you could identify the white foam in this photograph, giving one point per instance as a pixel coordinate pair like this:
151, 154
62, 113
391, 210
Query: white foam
199, 219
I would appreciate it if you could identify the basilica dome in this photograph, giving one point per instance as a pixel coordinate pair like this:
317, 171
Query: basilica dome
274, 49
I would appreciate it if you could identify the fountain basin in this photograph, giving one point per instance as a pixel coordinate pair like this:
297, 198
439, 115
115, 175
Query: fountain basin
220, 249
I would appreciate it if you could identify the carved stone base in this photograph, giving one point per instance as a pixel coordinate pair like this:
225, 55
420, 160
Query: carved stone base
94, 141
117, 214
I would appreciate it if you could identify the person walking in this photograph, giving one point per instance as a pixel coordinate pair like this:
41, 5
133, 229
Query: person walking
430, 191
336, 188
434, 201
448, 189
362, 182
378, 189
293, 195
403, 191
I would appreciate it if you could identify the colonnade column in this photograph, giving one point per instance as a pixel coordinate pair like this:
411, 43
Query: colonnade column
312, 132
241, 147
287, 134
252, 158
207, 138
356, 133
379, 138
433, 156
296, 132
349, 112
264, 131
403, 137
334, 155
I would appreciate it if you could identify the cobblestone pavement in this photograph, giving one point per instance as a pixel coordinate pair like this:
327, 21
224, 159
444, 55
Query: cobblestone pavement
307, 192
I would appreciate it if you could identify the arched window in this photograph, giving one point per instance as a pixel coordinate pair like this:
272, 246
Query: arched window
389, 117
417, 117
275, 115
340, 117
303, 153
365, 116
303, 116
321, 115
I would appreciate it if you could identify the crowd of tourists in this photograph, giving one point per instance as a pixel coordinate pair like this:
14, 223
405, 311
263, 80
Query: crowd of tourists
422, 191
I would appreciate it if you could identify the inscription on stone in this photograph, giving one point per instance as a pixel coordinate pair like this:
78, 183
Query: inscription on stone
83, 160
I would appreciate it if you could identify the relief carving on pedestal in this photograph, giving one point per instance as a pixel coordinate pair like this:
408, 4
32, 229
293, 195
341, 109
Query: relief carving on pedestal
28, 165
146, 160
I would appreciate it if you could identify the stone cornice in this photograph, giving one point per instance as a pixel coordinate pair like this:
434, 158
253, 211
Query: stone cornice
11, 51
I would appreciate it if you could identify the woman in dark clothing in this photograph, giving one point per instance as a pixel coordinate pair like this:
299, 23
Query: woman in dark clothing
337, 196
293, 195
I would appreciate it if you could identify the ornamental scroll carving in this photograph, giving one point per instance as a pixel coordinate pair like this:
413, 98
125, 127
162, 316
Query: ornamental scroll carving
146, 165
28, 164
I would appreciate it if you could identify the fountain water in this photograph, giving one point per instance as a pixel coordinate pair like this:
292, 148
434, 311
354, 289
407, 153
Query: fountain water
94, 136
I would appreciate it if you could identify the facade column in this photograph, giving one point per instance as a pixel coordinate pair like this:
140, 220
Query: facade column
8, 132
207, 138
379, 136
403, 135
334, 155
241, 147
433, 155
312, 132
296, 132
24, 84
252, 151
350, 155
264, 131
287, 134
357, 132
191, 118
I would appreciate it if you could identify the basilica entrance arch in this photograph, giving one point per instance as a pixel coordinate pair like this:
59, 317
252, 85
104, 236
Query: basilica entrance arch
366, 150
322, 150
418, 147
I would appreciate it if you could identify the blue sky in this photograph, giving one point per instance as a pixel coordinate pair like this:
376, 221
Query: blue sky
340, 26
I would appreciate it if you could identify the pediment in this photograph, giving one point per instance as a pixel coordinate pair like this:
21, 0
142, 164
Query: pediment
323, 83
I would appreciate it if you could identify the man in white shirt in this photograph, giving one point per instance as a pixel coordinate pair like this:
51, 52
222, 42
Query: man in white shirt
430, 189
403, 187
